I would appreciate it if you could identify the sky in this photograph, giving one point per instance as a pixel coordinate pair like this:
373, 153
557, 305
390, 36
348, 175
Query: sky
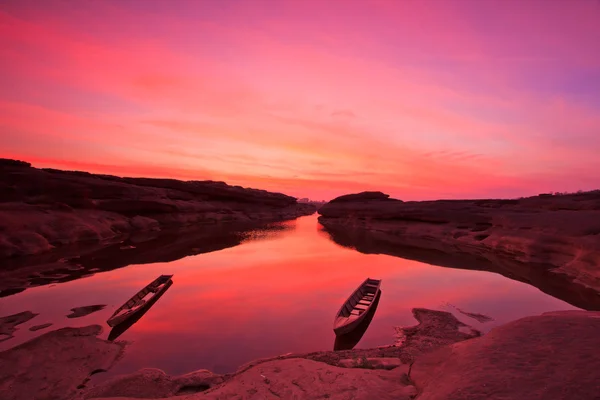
418, 99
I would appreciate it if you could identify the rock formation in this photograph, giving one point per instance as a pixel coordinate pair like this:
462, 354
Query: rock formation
552, 242
41, 209
552, 356
53, 365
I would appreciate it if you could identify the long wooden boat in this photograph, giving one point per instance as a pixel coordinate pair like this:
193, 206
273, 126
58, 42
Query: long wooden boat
357, 306
141, 300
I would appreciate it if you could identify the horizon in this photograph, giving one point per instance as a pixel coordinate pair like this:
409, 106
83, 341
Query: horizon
464, 100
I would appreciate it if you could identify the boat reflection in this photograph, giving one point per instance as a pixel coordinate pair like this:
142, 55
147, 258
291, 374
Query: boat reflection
351, 339
122, 327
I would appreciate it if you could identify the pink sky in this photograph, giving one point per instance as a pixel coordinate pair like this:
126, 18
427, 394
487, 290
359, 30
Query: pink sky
419, 99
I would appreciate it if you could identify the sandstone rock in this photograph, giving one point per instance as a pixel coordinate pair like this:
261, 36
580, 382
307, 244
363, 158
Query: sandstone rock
550, 242
372, 363
53, 365
44, 208
553, 356
435, 329
306, 379
153, 383
144, 223
8, 324
137, 207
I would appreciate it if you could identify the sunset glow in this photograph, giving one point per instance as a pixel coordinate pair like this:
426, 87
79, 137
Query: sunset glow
419, 99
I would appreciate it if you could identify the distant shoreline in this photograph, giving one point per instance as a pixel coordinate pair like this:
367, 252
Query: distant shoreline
45, 209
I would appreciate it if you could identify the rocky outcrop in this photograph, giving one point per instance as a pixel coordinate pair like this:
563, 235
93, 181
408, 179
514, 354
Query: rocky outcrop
306, 375
552, 356
53, 365
41, 209
435, 329
549, 356
153, 383
8, 324
552, 242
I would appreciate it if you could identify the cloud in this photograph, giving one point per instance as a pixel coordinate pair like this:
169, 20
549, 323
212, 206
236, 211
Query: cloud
423, 104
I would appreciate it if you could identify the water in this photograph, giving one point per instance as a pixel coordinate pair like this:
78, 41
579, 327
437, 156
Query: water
272, 294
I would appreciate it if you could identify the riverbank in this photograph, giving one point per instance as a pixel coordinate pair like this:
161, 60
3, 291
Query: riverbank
82, 354
46, 209
551, 242
549, 356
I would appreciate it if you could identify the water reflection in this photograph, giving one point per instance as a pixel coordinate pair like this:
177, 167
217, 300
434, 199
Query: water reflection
122, 327
351, 339
556, 285
74, 263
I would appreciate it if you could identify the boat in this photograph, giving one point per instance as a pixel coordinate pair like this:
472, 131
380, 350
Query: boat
118, 330
357, 306
348, 340
140, 301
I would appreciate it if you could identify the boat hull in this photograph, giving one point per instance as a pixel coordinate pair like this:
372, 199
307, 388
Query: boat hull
351, 326
351, 314
120, 319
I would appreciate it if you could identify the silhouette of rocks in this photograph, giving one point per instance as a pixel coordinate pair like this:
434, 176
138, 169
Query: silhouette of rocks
41, 209
363, 196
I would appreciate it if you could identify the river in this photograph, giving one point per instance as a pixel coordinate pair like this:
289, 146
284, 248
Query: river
274, 293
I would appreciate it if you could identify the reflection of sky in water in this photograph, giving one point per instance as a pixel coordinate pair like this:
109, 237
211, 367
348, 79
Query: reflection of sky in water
269, 297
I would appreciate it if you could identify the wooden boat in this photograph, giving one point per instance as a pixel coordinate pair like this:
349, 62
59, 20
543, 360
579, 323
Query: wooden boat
140, 301
357, 306
349, 340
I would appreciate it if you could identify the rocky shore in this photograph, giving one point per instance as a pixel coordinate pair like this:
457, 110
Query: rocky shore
44, 209
549, 241
551, 356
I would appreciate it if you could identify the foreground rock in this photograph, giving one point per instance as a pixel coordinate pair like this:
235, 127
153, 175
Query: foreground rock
154, 383
307, 375
553, 356
41, 209
306, 379
55, 364
552, 242
435, 329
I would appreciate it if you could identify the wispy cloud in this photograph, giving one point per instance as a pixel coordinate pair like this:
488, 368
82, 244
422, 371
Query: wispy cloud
461, 99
